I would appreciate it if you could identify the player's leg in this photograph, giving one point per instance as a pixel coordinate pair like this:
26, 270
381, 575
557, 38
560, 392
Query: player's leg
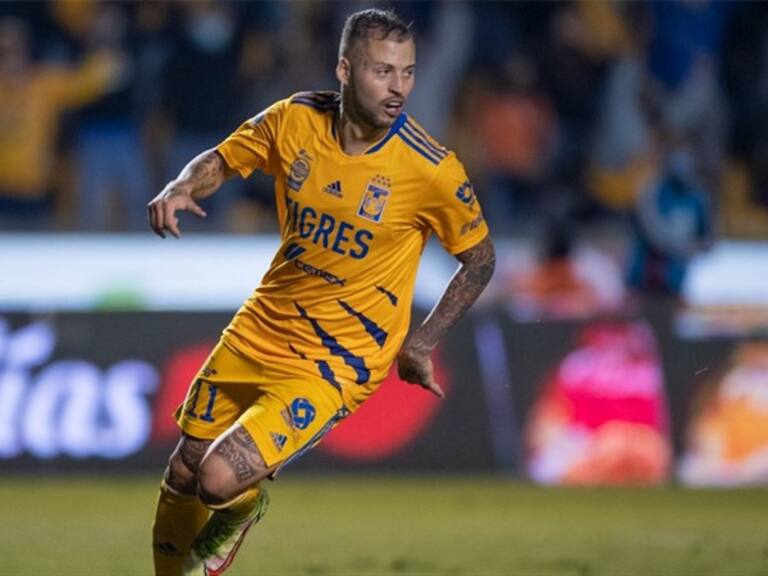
180, 515
287, 420
232, 465
217, 396
229, 485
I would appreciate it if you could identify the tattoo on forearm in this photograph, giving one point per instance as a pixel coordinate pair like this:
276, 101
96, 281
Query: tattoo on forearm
242, 455
465, 287
205, 172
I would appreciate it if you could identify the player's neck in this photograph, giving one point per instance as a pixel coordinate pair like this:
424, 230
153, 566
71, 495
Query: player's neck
356, 137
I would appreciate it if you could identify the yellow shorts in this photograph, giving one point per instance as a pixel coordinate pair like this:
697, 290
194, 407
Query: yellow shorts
286, 415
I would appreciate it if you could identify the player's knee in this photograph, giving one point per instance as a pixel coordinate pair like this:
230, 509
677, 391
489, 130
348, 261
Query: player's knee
216, 484
179, 477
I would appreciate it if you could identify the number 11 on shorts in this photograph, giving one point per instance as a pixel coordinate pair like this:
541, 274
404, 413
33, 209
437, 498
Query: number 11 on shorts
193, 401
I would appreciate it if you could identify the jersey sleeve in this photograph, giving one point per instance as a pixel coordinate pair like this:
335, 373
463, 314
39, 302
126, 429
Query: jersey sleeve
451, 210
254, 144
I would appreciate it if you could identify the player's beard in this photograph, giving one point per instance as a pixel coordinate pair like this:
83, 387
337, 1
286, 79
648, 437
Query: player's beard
357, 111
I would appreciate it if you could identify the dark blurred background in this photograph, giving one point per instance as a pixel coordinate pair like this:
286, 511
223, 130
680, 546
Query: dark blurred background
564, 112
620, 152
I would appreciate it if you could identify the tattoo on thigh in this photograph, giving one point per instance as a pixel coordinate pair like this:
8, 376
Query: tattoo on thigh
242, 455
192, 451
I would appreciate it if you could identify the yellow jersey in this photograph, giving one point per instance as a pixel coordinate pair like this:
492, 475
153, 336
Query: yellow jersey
335, 303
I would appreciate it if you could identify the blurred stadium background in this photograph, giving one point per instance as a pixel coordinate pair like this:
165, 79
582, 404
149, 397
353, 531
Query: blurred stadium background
607, 400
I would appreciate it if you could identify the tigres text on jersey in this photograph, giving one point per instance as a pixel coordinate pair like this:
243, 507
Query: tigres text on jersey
335, 302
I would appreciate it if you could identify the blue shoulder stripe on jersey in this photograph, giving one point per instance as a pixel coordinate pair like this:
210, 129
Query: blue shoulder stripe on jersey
319, 100
419, 149
388, 294
376, 331
318, 96
392, 131
438, 153
313, 104
423, 133
363, 374
421, 137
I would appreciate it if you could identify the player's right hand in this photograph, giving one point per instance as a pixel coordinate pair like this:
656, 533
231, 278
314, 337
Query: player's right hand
416, 367
161, 211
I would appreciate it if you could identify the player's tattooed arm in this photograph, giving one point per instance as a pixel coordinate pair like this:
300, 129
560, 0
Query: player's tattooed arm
203, 175
477, 265
200, 178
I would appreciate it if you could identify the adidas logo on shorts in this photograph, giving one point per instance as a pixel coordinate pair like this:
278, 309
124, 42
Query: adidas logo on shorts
279, 440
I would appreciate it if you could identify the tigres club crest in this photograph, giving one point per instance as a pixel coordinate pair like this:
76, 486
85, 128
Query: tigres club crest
299, 171
466, 194
375, 199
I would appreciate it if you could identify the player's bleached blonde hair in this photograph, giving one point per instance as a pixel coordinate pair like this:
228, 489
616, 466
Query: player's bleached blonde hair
373, 22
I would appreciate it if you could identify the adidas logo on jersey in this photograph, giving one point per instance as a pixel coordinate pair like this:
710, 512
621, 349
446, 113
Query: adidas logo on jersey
334, 189
279, 440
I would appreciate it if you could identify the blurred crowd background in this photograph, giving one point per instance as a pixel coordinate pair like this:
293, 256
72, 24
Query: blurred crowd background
571, 117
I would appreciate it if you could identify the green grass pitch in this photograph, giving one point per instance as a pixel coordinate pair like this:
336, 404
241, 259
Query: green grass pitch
327, 525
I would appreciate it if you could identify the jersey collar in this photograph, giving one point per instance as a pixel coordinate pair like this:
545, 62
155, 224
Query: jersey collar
392, 131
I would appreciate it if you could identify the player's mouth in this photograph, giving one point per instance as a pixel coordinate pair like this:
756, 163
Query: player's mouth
393, 107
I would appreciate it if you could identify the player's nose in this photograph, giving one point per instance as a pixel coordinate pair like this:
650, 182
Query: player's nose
396, 85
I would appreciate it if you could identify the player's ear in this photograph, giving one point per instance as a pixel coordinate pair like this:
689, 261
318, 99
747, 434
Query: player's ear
343, 69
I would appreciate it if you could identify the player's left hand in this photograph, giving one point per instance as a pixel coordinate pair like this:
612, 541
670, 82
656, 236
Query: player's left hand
416, 367
161, 211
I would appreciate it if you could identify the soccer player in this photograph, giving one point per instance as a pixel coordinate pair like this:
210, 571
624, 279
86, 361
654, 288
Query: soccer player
360, 186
